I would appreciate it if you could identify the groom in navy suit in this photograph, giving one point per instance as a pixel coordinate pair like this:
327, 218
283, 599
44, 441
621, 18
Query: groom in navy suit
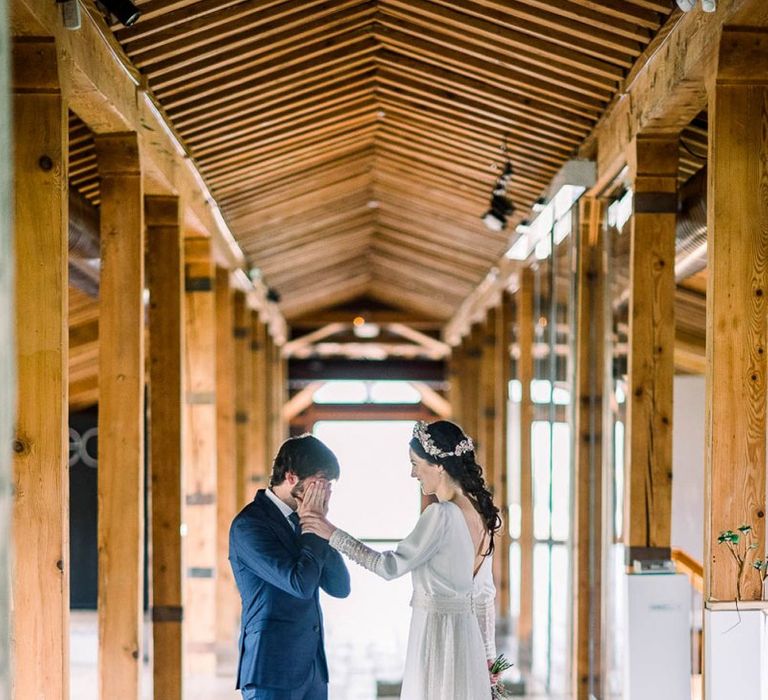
279, 572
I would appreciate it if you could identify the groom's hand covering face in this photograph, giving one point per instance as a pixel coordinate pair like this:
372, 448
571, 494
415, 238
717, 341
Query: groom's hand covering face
321, 492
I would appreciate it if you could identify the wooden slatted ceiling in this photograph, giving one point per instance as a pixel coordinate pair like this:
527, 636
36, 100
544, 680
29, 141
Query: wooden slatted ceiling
353, 145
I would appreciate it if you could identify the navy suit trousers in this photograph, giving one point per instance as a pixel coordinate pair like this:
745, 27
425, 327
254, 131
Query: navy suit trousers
314, 688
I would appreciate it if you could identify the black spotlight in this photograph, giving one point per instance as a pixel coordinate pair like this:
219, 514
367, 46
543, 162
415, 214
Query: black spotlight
496, 217
501, 206
273, 295
124, 10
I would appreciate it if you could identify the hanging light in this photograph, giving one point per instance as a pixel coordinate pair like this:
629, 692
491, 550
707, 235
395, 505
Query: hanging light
501, 206
124, 10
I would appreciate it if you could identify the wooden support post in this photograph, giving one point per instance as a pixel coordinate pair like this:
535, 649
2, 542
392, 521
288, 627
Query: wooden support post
588, 405
456, 382
525, 340
121, 417
7, 357
244, 415
472, 361
200, 514
502, 370
227, 599
737, 336
486, 405
40, 577
262, 455
165, 280
653, 163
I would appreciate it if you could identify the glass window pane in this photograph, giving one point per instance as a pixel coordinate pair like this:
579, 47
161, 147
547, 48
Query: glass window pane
541, 475
342, 391
394, 392
375, 498
561, 482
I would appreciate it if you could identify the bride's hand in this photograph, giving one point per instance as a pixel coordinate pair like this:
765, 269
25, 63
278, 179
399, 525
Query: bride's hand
317, 524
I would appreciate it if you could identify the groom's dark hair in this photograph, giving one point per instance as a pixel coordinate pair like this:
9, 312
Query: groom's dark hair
304, 456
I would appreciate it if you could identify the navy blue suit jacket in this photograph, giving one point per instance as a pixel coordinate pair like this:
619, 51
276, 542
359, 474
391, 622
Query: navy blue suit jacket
279, 575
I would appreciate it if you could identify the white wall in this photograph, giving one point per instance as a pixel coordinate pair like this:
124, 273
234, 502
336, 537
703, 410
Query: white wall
688, 466
7, 354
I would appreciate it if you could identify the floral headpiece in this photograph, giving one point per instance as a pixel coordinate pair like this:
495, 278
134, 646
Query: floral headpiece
421, 433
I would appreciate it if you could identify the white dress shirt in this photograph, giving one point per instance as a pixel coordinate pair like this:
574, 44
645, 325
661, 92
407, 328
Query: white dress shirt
284, 508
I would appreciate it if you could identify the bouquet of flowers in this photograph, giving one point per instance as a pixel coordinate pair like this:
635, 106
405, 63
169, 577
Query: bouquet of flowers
500, 664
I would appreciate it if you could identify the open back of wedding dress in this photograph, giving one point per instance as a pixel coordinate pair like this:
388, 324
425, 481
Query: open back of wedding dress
453, 622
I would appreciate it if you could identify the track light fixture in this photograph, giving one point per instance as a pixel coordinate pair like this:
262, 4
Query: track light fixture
273, 295
501, 206
124, 10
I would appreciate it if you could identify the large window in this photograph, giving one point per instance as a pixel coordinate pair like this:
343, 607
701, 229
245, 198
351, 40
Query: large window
375, 500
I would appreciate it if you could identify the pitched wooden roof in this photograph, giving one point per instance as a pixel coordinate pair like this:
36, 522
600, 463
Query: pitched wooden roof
353, 145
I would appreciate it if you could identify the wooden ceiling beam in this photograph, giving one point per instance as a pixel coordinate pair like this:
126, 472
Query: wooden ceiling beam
253, 35
230, 183
321, 197
430, 119
500, 68
463, 16
302, 102
420, 302
518, 184
579, 36
300, 61
279, 86
430, 260
531, 96
620, 9
196, 66
349, 198
316, 255
447, 286
618, 26
319, 120
159, 15
278, 253
327, 296
327, 272
474, 119
492, 99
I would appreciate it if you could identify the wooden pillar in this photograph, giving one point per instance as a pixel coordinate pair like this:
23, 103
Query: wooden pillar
7, 357
486, 404
200, 513
588, 405
456, 379
737, 290
244, 415
260, 466
525, 375
227, 599
40, 578
472, 381
653, 163
502, 361
121, 416
165, 279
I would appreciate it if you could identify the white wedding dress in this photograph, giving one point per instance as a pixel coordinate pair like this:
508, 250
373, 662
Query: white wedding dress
453, 623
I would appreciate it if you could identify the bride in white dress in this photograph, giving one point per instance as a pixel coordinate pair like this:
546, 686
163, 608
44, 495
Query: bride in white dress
449, 555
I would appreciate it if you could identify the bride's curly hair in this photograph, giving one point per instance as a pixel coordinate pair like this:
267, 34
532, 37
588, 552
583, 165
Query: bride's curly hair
464, 469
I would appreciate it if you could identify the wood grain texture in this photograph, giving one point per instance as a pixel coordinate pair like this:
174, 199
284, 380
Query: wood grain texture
244, 415
40, 526
648, 447
165, 281
7, 358
525, 340
502, 362
260, 466
737, 335
587, 479
227, 598
200, 453
121, 416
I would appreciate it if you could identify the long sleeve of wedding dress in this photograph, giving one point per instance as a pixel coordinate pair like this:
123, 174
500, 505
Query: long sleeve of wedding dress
413, 551
483, 602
